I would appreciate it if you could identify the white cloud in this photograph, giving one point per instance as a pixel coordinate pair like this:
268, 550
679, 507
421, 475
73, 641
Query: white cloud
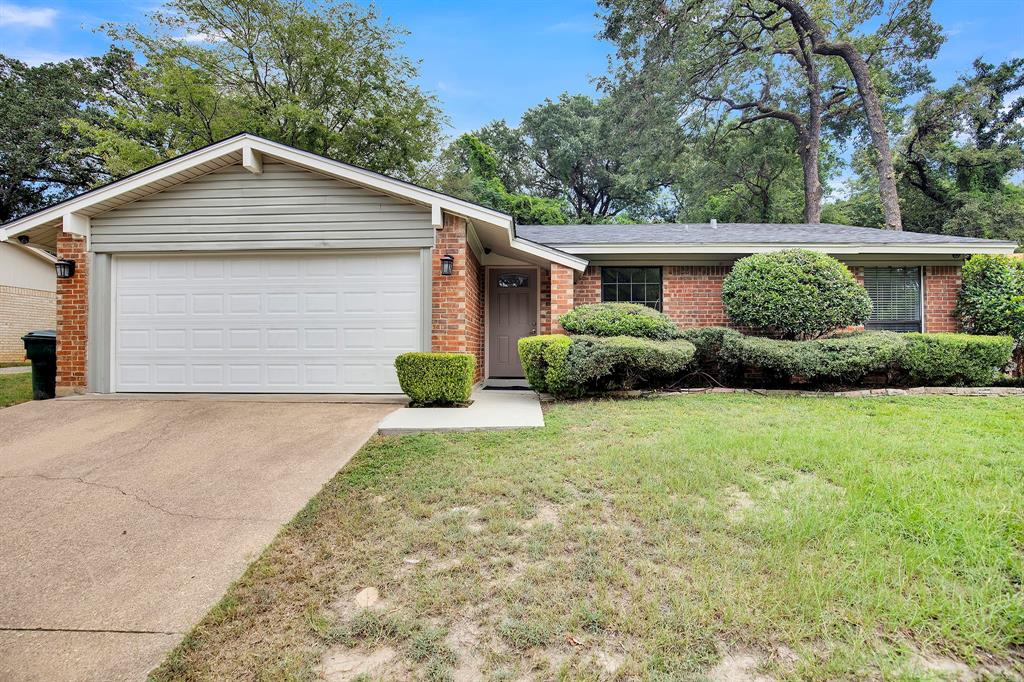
30, 17
201, 37
36, 57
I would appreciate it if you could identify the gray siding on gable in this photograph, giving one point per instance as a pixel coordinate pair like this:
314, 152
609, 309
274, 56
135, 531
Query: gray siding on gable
283, 208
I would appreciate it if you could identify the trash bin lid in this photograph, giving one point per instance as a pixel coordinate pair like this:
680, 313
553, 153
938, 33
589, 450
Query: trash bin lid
41, 334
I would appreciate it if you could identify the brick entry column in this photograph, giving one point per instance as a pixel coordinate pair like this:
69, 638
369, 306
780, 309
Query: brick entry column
72, 317
457, 299
562, 294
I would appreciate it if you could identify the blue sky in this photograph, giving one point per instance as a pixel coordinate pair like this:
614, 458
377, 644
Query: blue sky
488, 60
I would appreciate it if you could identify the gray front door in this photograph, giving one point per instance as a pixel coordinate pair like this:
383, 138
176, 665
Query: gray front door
512, 311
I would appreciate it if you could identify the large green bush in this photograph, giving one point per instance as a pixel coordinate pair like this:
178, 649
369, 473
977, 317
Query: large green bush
991, 299
531, 357
794, 294
619, 319
436, 378
708, 342
624, 362
954, 359
839, 360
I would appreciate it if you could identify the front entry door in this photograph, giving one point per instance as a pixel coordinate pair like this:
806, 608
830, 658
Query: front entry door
512, 310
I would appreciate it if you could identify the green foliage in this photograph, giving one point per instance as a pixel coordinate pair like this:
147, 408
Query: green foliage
531, 357
794, 294
482, 183
328, 77
42, 159
844, 359
991, 299
955, 359
747, 176
559, 380
598, 363
436, 378
708, 342
619, 319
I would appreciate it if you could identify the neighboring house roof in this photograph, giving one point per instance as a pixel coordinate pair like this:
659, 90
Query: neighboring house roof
739, 237
73, 215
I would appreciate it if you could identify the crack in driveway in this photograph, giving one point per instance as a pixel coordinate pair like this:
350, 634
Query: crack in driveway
138, 498
113, 631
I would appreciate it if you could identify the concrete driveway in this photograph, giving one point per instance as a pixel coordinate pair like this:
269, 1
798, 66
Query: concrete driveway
123, 521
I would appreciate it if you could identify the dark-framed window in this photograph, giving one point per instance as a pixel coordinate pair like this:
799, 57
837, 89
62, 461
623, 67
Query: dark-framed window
895, 297
632, 285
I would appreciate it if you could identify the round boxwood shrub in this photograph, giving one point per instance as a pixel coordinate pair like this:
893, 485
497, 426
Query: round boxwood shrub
794, 294
619, 319
437, 379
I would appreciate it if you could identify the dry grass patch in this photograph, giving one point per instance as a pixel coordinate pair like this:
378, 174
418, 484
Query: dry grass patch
722, 537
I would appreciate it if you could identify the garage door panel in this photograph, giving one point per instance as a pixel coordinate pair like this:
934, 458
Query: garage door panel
324, 323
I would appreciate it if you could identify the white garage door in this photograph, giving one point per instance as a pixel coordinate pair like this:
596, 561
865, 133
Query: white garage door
327, 323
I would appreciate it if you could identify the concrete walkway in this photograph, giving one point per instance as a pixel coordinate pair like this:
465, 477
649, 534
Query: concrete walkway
490, 411
16, 370
123, 521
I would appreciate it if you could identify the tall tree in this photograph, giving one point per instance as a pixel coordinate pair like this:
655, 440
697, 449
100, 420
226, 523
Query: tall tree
747, 176
323, 76
750, 57
42, 158
900, 23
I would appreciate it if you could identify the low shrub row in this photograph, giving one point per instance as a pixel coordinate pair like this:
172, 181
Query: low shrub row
570, 367
436, 378
573, 366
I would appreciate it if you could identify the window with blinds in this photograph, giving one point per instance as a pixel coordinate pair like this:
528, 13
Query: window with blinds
896, 297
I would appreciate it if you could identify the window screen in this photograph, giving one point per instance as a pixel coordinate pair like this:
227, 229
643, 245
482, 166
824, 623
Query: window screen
632, 285
896, 297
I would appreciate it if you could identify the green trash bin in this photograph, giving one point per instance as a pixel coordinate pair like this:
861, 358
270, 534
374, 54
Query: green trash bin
41, 349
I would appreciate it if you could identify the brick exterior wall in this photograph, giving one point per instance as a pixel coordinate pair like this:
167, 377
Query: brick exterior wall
544, 282
72, 316
941, 285
588, 289
457, 320
22, 311
692, 295
562, 295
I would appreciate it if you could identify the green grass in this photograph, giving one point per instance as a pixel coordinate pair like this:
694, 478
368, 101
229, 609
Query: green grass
15, 388
654, 539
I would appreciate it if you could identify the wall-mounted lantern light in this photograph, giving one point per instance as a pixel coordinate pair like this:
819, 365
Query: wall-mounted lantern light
65, 269
446, 264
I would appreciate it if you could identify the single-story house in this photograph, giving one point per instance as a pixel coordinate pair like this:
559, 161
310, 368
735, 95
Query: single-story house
251, 266
28, 298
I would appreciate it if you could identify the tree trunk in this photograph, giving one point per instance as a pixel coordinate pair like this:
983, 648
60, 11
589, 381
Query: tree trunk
803, 21
813, 191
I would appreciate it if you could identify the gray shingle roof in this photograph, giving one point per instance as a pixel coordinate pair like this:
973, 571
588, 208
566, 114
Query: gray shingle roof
729, 233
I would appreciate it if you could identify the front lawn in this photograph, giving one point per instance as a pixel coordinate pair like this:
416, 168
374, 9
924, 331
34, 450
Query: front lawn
718, 535
15, 388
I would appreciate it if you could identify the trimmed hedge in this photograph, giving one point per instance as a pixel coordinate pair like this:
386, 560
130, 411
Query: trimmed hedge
708, 342
531, 357
954, 359
794, 294
626, 362
619, 319
844, 359
436, 378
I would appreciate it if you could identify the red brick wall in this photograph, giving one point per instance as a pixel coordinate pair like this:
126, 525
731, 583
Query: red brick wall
562, 294
941, 285
72, 317
588, 289
457, 299
692, 295
544, 282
